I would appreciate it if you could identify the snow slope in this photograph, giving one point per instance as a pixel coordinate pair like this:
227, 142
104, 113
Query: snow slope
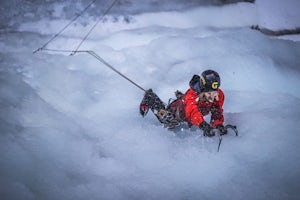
70, 127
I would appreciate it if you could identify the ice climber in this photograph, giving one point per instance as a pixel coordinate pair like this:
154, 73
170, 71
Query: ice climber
202, 98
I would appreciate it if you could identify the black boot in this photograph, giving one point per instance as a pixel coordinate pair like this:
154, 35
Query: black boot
151, 101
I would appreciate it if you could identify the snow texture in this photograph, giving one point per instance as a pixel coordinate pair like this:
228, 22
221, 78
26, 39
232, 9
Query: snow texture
70, 127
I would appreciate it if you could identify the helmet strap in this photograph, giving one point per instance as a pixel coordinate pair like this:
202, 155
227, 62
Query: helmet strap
203, 80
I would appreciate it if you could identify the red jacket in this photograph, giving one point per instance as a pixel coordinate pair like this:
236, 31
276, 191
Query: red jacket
195, 110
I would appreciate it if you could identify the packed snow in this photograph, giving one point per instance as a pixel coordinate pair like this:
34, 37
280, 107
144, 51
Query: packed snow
70, 126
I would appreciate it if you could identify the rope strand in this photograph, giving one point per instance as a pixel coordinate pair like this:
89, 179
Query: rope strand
64, 28
90, 31
95, 55
92, 53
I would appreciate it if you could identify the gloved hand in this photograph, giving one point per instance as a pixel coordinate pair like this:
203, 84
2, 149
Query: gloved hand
222, 129
207, 129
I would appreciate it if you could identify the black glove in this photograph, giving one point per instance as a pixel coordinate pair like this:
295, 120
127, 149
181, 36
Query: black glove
222, 129
207, 129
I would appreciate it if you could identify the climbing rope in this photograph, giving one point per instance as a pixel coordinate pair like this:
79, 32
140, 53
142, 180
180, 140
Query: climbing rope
64, 28
99, 58
92, 53
90, 31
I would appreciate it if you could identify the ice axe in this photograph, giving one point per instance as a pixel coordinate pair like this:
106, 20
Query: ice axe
228, 126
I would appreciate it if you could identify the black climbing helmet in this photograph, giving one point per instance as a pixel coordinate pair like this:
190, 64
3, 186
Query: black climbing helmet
209, 80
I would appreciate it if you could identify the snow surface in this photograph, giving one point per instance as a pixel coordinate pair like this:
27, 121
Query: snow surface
70, 127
